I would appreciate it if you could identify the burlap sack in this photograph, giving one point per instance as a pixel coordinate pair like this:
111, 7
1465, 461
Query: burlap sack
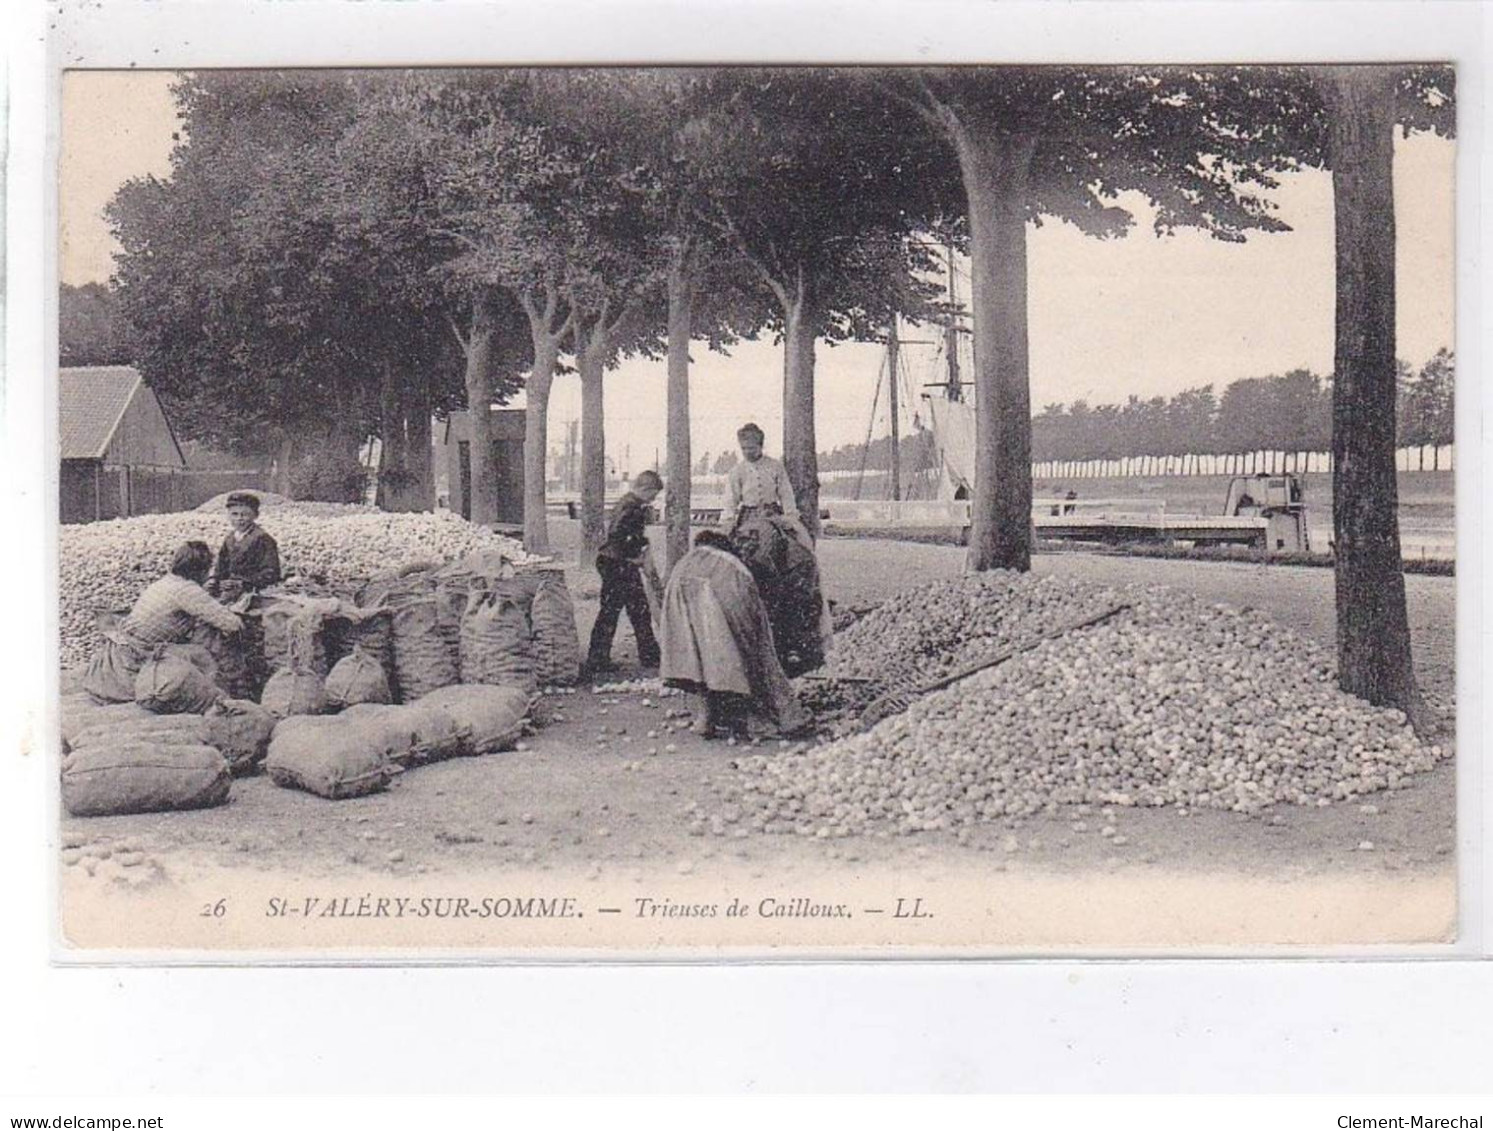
357, 678
557, 642
81, 711
333, 757
237, 729
296, 690
170, 683
373, 632
288, 624
490, 718
497, 643
422, 658
240, 730
233, 658
142, 778
414, 734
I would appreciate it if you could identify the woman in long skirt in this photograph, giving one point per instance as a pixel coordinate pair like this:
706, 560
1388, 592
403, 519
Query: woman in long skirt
717, 642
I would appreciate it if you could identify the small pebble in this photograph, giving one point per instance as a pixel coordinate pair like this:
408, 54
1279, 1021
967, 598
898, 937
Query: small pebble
396, 856
1365, 846
1369, 810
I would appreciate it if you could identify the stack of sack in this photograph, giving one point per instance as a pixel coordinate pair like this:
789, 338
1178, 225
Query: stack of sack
360, 750
127, 758
431, 663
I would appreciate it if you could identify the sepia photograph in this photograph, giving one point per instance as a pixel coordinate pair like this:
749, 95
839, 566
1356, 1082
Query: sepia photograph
803, 511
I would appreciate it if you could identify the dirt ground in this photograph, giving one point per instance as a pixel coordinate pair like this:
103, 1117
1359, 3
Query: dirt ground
614, 787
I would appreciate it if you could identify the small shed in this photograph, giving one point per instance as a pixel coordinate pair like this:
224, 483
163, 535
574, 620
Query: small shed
119, 455
508, 456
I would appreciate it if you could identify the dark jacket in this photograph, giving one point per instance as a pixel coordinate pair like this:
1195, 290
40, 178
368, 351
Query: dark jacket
626, 538
253, 560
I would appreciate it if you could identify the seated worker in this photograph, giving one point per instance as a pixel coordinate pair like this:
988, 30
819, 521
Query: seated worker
168, 612
717, 643
249, 559
620, 562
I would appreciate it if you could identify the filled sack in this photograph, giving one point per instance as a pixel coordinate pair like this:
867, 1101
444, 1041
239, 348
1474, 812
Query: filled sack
557, 642
81, 711
174, 681
296, 690
295, 624
292, 692
331, 756
233, 657
423, 660
414, 735
371, 630
490, 718
237, 729
240, 730
132, 777
497, 643
357, 678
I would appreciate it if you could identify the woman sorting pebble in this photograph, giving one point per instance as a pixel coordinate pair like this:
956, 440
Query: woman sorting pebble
166, 613
717, 642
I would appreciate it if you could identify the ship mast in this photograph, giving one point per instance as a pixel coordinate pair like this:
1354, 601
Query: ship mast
951, 331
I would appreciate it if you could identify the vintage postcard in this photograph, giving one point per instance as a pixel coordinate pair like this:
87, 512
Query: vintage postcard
790, 511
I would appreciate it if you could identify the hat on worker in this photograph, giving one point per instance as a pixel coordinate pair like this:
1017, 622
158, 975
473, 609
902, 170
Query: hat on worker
244, 499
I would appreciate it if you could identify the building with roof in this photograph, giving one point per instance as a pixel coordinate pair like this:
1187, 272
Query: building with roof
119, 454
454, 459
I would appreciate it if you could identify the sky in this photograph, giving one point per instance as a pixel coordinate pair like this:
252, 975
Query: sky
1142, 315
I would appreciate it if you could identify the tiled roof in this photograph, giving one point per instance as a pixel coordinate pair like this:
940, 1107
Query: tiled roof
91, 400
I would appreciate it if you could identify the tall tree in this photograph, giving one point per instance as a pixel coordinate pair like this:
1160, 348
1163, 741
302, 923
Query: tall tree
1373, 629
1060, 141
815, 181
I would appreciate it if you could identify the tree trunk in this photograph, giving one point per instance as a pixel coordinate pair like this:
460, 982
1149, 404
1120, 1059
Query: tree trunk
392, 469
800, 455
1373, 632
419, 456
677, 501
994, 166
280, 480
536, 443
479, 351
592, 364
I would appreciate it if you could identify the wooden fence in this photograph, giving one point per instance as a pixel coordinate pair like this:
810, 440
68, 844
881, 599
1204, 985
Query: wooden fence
122, 492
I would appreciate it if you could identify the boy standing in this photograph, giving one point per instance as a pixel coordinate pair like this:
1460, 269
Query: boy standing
249, 559
620, 564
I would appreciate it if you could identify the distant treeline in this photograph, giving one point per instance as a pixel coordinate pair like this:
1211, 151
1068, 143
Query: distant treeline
1286, 413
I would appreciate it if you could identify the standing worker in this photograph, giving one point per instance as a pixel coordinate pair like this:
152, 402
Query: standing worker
762, 519
758, 484
620, 562
249, 559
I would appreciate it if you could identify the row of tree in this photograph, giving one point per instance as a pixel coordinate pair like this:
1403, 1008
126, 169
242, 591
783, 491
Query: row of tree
1290, 413
334, 254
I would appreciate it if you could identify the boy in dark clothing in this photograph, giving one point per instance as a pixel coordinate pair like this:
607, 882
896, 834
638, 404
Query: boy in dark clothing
620, 564
249, 559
